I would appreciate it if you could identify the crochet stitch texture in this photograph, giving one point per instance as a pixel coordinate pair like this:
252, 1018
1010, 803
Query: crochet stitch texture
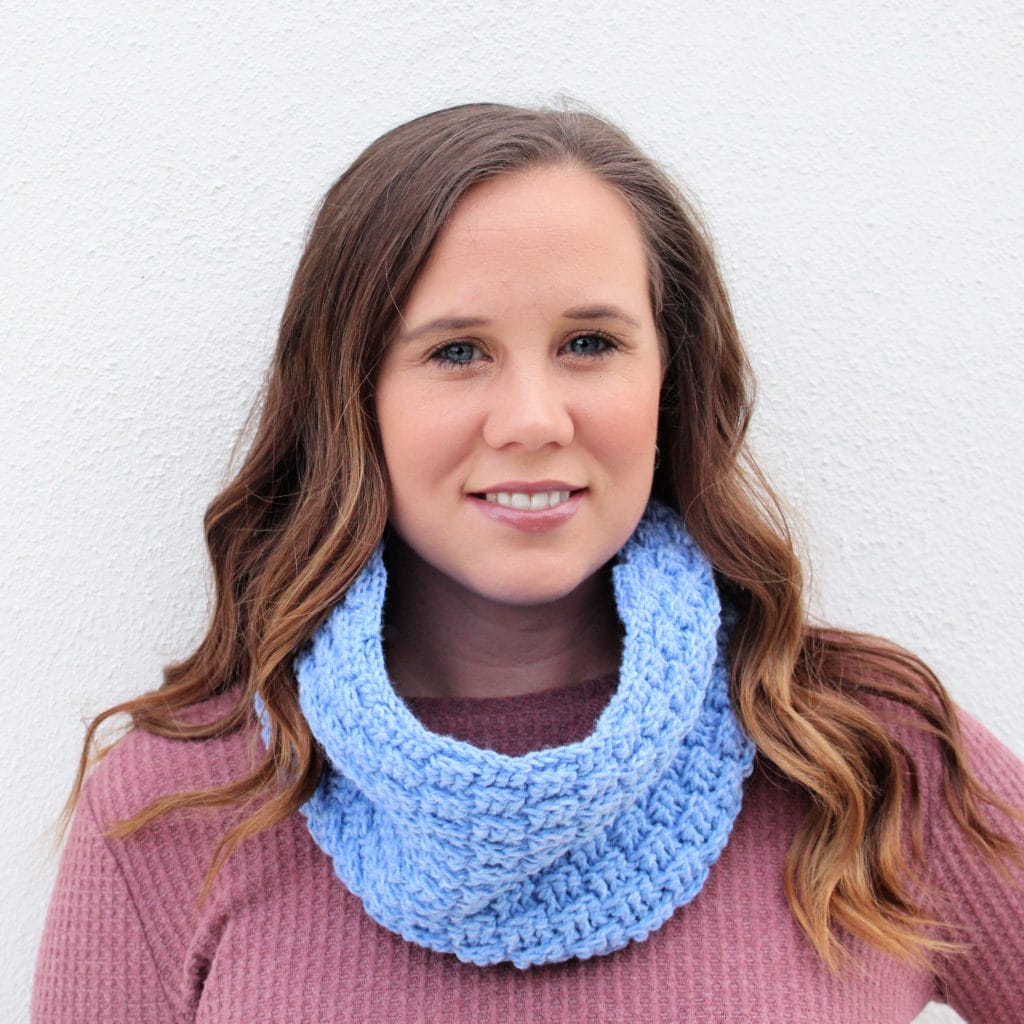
569, 851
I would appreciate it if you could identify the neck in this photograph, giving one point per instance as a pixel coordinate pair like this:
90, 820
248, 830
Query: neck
498, 650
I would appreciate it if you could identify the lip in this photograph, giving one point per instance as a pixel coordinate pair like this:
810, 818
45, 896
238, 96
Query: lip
529, 521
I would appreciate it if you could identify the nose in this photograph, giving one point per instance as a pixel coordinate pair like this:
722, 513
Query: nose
528, 406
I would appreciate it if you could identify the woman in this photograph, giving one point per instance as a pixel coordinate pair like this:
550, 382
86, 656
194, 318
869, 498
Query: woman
506, 611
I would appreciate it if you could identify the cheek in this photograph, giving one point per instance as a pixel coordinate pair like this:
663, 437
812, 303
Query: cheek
622, 426
422, 442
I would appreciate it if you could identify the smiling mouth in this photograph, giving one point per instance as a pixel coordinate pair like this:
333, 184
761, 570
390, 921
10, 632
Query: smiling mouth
534, 502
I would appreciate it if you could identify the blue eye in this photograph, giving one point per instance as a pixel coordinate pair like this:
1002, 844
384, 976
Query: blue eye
458, 353
589, 345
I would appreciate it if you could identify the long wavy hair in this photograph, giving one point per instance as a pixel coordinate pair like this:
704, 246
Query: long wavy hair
308, 505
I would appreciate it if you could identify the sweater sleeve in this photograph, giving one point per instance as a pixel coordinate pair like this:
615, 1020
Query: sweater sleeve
94, 963
986, 984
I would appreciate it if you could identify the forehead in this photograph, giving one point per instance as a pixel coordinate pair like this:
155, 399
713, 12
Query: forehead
551, 232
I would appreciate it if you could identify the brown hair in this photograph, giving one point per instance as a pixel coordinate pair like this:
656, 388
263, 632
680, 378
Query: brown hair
307, 507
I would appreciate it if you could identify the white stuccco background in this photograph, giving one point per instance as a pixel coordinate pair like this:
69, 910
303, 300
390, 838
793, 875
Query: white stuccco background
859, 167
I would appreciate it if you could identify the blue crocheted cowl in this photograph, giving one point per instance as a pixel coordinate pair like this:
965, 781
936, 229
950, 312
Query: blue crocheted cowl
570, 851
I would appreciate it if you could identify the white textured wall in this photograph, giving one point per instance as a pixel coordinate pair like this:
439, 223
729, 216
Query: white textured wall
858, 164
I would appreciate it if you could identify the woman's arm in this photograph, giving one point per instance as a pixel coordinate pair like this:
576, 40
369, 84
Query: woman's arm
95, 964
985, 985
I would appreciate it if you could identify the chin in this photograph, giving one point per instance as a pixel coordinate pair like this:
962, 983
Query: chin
524, 591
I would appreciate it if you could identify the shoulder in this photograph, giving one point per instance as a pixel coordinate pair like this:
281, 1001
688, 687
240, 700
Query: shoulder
951, 756
142, 766
172, 854
989, 760
130, 908
993, 769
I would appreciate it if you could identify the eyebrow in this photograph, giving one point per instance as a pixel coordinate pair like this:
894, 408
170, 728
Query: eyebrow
460, 323
600, 313
444, 323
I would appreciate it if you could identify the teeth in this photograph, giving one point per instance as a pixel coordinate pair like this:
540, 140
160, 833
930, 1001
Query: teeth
533, 502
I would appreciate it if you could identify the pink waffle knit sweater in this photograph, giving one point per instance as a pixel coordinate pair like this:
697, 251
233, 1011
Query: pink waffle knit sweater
281, 939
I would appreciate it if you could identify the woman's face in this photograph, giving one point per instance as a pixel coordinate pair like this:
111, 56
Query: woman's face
518, 403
